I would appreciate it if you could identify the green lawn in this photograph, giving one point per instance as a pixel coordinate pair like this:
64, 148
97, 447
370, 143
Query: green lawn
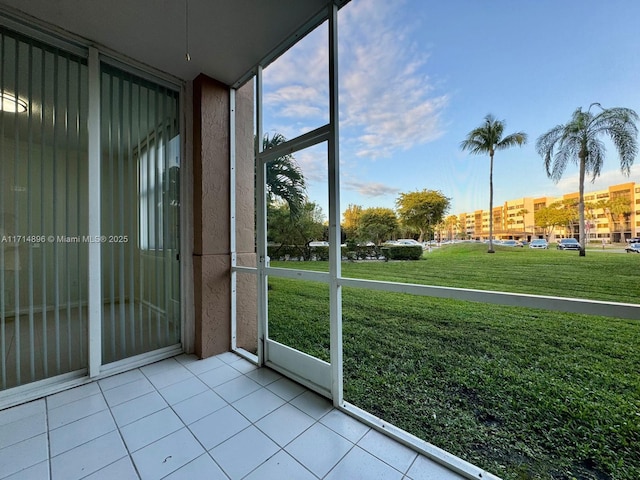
523, 393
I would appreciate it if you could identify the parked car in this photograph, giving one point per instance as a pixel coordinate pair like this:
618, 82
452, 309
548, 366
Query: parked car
539, 243
407, 241
318, 244
633, 248
510, 243
568, 244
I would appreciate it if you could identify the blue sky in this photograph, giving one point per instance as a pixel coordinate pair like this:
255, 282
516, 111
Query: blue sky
416, 76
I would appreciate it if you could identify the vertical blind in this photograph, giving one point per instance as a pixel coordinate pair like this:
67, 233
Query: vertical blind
140, 221
43, 215
44, 185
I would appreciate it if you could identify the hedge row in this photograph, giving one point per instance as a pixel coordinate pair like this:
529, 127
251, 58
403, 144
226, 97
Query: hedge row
402, 252
306, 253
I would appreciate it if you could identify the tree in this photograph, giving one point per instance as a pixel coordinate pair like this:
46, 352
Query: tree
297, 231
547, 218
566, 214
351, 220
578, 141
422, 210
451, 222
486, 139
522, 213
284, 177
617, 210
377, 224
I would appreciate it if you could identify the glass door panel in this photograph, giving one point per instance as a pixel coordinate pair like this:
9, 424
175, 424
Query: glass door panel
43, 211
140, 215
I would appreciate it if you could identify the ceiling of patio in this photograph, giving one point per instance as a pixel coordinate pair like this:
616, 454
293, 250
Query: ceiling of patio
226, 38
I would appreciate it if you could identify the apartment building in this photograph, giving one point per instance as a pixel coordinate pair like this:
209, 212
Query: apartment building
613, 215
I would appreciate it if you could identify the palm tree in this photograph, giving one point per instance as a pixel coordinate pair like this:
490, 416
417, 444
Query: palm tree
487, 138
579, 141
284, 177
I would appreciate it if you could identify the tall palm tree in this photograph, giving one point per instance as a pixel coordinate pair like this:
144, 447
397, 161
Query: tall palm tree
487, 138
578, 141
284, 177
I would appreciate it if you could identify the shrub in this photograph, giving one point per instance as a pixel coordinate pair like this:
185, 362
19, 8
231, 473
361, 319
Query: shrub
403, 252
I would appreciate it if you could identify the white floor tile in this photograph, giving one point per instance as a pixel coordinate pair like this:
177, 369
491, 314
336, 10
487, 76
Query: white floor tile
128, 391
22, 429
344, 425
183, 390
258, 404
236, 388
175, 375
150, 428
426, 469
19, 412
201, 366
22, 455
120, 379
186, 358
265, 376
229, 357
39, 471
83, 440
244, 452
70, 412
162, 366
167, 455
285, 424
218, 427
312, 404
286, 388
360, 465
219, 375
199, 406
72, 395
202, 467
319, 449
388, 450
281, 466
88, 458
244, 366
81, 431
140, 407
123, 469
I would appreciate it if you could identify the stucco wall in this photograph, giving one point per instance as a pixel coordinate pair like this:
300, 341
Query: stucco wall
211, 216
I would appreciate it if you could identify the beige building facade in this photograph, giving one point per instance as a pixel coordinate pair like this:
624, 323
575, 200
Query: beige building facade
613, 216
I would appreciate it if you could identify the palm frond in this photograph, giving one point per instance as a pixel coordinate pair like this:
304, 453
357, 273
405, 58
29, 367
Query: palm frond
284, 177
545, 146
518, 138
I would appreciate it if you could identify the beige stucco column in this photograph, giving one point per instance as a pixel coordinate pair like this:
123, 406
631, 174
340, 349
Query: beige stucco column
211, 212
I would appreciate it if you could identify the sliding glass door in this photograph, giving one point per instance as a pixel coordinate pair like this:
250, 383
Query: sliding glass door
45, 181
43, 213
140, 222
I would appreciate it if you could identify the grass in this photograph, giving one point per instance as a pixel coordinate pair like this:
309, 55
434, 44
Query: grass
523, 393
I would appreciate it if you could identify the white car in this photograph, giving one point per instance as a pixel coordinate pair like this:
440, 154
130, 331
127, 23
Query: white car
318, 244
539, 243
407, 241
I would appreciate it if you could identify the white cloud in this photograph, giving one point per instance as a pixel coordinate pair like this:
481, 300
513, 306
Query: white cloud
385, 94
388, 103
313, 162
370, 189
296, 85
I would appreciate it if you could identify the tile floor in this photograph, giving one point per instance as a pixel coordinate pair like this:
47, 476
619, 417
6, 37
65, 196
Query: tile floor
183, 418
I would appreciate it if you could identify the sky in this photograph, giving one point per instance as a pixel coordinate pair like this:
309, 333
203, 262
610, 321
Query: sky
415, 76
